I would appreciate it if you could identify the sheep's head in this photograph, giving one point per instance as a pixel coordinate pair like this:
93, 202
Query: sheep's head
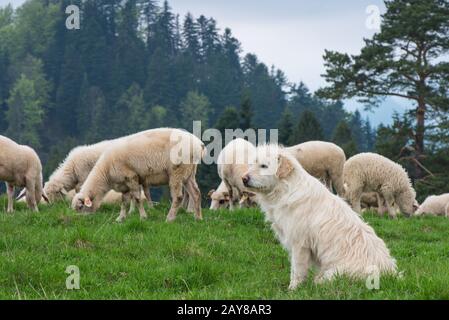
220, 200
82, 203
54, 192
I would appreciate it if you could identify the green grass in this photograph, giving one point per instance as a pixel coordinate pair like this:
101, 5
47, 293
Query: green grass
229, 255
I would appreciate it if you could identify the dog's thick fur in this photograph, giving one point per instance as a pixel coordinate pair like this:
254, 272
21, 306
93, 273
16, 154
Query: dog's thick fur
314, 225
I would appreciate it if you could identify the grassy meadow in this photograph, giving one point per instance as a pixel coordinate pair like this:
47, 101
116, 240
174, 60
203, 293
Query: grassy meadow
229, 255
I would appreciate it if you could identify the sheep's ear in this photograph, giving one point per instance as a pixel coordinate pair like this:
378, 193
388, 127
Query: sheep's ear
285, 167
415, 205
246, 196
209, 195
88, 202
44, 195
249, 194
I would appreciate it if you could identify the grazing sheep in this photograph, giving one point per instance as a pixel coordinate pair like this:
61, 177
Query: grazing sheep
220, 198
232, 163
20, 166
73, 171
155, 157
369, 172
323, 160
435, 205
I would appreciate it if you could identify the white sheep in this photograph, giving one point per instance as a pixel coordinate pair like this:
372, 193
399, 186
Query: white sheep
323, 160
155, 157
232, 164
220, 198
20, 166
369, 172
435, 205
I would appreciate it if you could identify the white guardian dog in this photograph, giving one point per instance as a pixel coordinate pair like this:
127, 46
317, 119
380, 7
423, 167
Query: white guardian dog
314, 225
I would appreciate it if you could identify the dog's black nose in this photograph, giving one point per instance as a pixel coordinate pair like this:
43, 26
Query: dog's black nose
245, 180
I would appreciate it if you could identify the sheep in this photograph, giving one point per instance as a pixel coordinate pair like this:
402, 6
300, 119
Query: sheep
20, 166
369, 172
323, 160
435, 205
232, 163
73, 171
155, 157
220, 198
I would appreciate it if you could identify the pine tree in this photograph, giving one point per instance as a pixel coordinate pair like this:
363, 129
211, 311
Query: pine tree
190, 34
130, 50
25, 112
157, 117
285, 127
402, 60
132, 115
246, 112
96, 103
308, 129
343, 137
195, 107
356, 126
390, 140
229, 119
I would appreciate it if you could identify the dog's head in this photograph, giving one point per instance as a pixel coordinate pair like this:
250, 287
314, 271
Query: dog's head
219, 199
82, 203
271, 166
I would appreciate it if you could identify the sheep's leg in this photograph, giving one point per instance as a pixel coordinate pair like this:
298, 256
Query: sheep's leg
10, 190
231, 194
176, 195
146, 191
132, 206
139, 201
388, 203
354, 198
31, 196
125, 200
300, 264
194, 198
381, 209
186, 198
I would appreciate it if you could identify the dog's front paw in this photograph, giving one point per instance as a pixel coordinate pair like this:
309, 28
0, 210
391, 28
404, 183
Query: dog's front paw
294, 285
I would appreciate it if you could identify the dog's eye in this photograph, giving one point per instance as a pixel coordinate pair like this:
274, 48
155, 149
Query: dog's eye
264, 166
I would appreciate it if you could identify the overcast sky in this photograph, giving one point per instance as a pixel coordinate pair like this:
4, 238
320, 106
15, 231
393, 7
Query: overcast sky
291, 34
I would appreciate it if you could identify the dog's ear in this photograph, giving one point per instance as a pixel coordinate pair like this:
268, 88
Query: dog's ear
209, 195
285, 167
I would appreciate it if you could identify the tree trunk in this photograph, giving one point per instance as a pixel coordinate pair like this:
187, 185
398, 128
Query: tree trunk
419, 135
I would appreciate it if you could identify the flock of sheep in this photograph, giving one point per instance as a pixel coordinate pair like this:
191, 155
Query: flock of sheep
124, 169
296, 194
367, 180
